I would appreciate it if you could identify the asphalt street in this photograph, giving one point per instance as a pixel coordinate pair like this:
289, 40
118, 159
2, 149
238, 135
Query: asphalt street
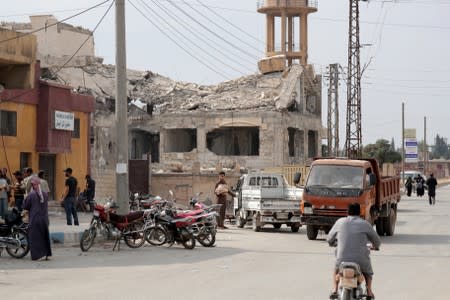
413, 264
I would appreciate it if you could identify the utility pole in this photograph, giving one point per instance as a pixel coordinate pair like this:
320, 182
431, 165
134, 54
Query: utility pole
333, 111
403, 142
425, 148
353, 143
121, 112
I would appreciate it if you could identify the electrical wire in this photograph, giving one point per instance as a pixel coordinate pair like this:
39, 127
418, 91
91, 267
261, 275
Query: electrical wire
228, 22
175, 42
45, 12
54, 24
189, 28
34, 89
174, 30
211, 31
67, 61
222, 28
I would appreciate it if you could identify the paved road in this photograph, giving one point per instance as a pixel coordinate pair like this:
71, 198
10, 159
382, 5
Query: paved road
414, 264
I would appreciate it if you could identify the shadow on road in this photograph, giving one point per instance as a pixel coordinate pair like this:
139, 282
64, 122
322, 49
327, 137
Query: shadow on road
417, 239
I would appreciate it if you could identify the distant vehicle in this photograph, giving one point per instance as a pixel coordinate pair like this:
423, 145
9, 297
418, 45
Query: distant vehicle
411, 173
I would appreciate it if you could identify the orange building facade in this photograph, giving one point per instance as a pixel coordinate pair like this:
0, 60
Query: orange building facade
43, 125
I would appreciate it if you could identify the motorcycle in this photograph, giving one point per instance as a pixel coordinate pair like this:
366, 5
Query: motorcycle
351, 281
14, 236
170, 228
205, 228
110, 225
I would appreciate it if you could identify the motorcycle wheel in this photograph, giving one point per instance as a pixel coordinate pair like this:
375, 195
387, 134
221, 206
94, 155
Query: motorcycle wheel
155, 236
87, 239
207, 240
24, 244
135, 238
346, 294
189, 243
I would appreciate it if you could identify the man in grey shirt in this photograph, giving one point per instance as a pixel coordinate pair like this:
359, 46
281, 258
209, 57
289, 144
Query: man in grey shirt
352, 234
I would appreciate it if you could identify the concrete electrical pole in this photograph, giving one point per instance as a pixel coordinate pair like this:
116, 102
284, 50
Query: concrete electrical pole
333, 111
121, 112
353, 143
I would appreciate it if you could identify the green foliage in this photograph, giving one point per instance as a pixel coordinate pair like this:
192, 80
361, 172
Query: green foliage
440, 148
382, 151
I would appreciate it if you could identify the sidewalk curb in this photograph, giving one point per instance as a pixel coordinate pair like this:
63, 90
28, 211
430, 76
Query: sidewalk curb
65, 238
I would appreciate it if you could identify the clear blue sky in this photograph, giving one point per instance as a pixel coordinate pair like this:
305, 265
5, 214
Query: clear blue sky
410, 50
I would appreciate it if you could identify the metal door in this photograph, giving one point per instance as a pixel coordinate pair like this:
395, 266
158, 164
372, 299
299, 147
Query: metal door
139, 176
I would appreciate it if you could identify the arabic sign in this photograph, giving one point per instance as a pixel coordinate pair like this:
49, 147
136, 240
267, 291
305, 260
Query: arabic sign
411, 149
63, 120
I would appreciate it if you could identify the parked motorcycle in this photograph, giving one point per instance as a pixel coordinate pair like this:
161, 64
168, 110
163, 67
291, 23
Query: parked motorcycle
170, 228
14, 236
110, 225
205, 228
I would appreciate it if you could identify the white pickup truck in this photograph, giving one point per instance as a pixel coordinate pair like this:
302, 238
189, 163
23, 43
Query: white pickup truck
264, 198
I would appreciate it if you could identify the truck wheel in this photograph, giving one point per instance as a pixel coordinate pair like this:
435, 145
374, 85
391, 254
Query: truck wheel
295, 227
255, 224
379, 225
311, 232
240, 222
276, 225
389, 222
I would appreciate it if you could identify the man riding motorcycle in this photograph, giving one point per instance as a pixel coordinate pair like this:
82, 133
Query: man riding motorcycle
352, 234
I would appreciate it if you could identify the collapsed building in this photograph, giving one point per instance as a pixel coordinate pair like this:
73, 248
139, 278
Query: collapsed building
254, 122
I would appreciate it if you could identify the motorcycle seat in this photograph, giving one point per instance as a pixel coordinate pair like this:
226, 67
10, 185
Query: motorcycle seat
189, 213
132, 216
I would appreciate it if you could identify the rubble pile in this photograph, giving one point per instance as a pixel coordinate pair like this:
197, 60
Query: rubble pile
164, 95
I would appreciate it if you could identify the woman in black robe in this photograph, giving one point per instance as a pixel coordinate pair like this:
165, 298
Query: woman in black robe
38, 233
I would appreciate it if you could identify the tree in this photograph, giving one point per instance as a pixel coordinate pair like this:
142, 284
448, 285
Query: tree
440, 148
382, 151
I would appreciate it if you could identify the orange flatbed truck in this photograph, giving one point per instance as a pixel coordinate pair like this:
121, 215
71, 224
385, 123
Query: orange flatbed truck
334, 183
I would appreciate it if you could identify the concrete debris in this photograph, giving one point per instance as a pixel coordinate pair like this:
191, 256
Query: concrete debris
253, 92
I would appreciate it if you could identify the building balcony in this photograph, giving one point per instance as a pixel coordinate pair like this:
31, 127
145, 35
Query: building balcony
292, 7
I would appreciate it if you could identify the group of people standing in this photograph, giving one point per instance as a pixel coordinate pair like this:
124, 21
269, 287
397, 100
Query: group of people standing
30, 192
421, 183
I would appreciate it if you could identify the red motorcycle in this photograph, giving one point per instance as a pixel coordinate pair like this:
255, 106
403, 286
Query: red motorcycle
171, 227
110, 225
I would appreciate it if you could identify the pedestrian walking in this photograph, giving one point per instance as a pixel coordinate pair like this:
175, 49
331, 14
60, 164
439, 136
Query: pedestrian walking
409, 186
69, 197
222, 190
90, 191
432, 183
19, 190
36, 203
420, 185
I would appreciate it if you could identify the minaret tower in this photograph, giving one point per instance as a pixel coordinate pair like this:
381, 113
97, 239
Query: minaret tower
291, 17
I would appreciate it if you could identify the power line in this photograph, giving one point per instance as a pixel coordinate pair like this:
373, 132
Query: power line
176, 43
67, 61
205, 39
45, 12
186, 38
210, 31
222, 28
54, 24
230, 23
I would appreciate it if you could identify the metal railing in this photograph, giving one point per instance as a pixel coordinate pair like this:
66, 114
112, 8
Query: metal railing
287, 3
